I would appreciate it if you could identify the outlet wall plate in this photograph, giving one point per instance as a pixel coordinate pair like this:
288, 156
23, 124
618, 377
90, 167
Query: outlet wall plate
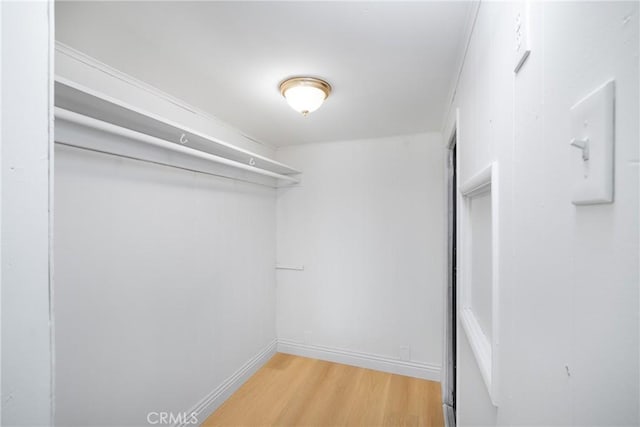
307, 337
405, 352
592, 144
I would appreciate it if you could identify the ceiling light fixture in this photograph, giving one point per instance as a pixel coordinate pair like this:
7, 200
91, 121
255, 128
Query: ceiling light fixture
305, 94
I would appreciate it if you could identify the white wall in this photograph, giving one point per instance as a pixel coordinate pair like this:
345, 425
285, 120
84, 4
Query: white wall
480, 286
367, 223
165, 285
87, 71
165, 278
569, 275
26, 34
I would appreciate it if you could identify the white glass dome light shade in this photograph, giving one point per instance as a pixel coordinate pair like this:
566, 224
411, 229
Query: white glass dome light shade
304, 99
305, 94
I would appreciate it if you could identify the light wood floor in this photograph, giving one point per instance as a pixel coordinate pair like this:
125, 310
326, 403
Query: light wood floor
297, 391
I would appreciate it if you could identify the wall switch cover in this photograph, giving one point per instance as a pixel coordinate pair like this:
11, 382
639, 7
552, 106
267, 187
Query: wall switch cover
591, 142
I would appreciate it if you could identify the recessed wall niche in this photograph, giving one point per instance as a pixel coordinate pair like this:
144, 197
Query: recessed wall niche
479, 290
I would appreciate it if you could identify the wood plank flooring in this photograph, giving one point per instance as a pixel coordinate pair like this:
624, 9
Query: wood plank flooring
297, 391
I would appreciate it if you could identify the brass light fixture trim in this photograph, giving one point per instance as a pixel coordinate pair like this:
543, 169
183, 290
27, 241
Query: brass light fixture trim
306, 81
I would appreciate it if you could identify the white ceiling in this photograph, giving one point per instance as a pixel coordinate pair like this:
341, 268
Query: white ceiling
391, 64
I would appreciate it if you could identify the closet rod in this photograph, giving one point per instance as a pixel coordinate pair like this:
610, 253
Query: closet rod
80, 119
154, 162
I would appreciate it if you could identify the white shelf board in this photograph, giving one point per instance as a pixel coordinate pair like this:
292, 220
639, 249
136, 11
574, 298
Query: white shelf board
76, 98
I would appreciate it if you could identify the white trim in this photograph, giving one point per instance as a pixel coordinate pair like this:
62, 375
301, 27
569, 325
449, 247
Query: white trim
451, 224
289, 267
65, 116
216, 397
449, 416
361, 360
51, 284
1, 236
484, 349
70, 52
66, 50
84, 96
478, 183
479, 342
470, 26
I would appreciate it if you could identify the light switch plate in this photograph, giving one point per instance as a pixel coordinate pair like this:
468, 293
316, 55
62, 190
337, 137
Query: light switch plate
592, 126
522, 42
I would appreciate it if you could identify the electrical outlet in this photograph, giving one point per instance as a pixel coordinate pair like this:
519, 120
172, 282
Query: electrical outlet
522, 43
307, 337
405, 352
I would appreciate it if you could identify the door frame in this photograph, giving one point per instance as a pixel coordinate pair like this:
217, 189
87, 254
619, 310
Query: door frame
452, 194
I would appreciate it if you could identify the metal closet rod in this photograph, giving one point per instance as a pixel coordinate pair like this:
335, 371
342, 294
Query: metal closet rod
169, 165
80, 119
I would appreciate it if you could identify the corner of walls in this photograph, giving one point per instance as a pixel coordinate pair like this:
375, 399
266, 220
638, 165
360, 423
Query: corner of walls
180, 296
367, 224
450, 110
368, 360
212, 401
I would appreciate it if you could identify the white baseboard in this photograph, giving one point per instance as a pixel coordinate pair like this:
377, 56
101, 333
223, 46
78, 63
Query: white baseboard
361, 360
213, 400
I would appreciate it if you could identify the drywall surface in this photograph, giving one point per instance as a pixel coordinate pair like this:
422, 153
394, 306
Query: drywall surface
569, 338
480, 286
367, 224
165, 286
86, 71
26, 34
229, 58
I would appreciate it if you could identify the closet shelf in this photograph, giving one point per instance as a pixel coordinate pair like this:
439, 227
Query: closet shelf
90, 122
84, 106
